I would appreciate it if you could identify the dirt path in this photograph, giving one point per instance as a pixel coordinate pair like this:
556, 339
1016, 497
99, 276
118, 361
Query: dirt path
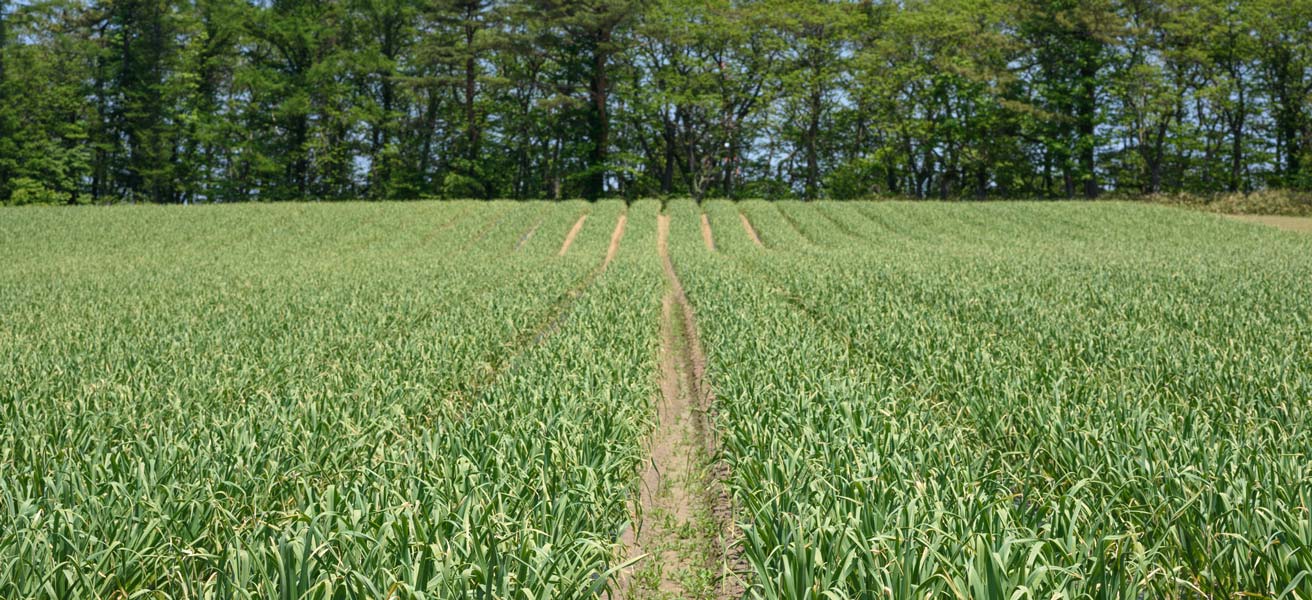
683, 521
615, 238
573, 233
707, 236
751, 231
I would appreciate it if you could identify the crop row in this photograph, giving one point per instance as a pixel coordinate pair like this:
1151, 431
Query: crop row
298, 402
1011, 401
426, 401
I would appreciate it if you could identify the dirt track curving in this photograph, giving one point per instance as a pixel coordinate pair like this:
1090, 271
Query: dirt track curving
683, 523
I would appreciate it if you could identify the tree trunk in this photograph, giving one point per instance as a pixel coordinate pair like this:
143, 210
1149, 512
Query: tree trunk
812, 154
1237, 182
473, 130
1088, 120
382, 170
1155, 165
670, 136
599, 117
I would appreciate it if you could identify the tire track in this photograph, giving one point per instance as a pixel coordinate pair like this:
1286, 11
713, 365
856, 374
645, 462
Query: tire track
838, 224
615, 238
573, 233
751, 231
681, 543
484, 231
793, 223
707, 235
556, 313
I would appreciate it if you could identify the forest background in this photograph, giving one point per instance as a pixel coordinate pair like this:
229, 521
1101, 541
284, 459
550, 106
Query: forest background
230, 100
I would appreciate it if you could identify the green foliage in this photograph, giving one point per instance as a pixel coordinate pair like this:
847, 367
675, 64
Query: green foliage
855, 179
1009, 400
1024, 400
1284, 203
224, 100
336, 401
25, 190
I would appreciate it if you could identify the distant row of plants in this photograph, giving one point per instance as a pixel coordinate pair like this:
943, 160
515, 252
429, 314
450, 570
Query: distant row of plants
1261, 202
1266, 202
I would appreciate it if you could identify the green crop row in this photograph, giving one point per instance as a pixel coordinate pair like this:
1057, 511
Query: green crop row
412, 401
912, 400
1011, 400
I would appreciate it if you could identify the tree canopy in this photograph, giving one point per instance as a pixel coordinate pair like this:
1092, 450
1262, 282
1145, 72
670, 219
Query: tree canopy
232, 100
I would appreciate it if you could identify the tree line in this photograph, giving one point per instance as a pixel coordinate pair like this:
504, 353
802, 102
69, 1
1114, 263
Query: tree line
231, 100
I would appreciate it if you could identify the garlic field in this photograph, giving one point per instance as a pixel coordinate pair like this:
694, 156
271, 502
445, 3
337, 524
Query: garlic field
454, 399
353, 401
1012, 400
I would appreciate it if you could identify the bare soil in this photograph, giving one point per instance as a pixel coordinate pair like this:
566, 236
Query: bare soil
751, 231
707, 235
573, 233
683, 521
615, 238
1303, 224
